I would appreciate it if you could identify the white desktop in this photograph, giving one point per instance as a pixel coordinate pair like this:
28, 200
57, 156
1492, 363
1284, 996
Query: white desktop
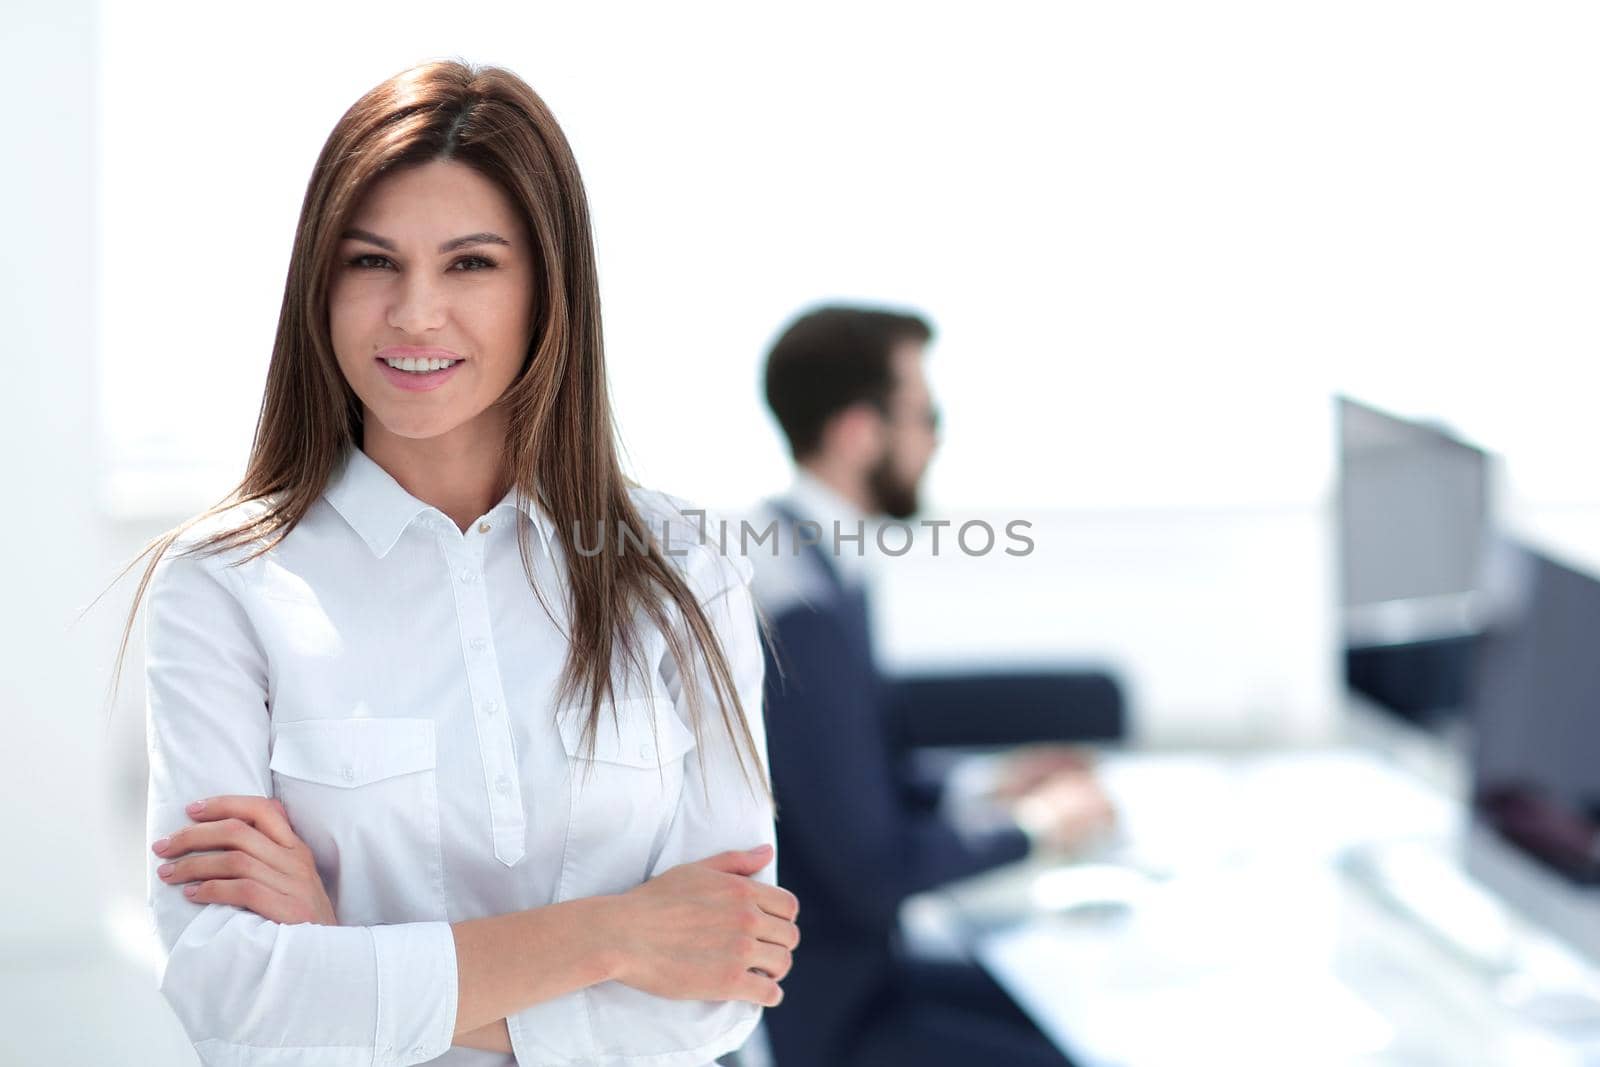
1423, 889
1304, 906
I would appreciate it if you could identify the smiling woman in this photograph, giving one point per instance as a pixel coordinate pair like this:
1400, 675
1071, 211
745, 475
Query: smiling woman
448, 817
406, 289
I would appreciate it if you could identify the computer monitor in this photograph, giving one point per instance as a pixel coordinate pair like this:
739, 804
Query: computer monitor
1535, 740
1413, 516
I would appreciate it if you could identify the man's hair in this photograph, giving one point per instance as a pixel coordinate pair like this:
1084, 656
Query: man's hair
829, 359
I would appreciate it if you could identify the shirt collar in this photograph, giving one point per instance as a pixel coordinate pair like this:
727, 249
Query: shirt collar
814, 499
379, 508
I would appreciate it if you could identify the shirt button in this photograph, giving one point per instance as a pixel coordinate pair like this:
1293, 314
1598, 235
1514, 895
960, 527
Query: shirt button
645, 751
467, 577
479, 644
503, 784
483, 527
348, 772
490, 707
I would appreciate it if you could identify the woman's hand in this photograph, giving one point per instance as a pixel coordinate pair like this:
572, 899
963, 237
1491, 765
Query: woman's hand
708, 931
266, 869
261, 865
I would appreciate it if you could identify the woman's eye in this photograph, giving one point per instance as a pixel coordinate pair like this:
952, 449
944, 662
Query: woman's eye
481, 262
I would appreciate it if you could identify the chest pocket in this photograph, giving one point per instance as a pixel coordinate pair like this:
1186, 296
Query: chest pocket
363, 795
623, 794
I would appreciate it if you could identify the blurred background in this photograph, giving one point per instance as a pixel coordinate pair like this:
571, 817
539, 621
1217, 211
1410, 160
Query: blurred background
1157, 240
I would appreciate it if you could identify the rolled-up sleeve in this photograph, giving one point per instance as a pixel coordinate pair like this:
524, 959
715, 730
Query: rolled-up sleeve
717, 811
248, 990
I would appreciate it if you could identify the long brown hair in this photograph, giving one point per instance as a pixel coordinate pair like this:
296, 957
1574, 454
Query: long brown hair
561, 443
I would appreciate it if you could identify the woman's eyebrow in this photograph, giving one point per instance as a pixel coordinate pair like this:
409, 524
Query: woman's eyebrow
451, 245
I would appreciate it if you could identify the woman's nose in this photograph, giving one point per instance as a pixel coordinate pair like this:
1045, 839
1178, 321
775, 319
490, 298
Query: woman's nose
420, 307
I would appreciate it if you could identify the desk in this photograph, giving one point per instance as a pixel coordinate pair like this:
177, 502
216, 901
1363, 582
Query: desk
1246, 939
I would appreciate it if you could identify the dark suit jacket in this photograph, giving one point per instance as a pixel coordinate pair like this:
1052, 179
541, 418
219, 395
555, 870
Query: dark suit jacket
855, 836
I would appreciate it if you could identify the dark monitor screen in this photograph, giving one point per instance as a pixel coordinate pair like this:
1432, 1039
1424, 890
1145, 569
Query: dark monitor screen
1535, 705
1412, 519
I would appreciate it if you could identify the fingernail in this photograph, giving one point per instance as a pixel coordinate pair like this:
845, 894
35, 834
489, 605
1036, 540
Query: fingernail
165, 869
196, 807
160, 846
762, 848
191, 889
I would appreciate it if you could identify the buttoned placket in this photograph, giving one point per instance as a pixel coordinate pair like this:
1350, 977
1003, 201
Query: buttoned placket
464, 554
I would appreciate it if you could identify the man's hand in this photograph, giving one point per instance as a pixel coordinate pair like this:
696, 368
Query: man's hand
708, 931
1065, 810
1029, 766
259, 863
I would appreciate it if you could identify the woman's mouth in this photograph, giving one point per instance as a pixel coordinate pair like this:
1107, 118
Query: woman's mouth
426, 373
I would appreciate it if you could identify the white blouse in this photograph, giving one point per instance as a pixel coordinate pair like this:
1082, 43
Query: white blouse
390, 679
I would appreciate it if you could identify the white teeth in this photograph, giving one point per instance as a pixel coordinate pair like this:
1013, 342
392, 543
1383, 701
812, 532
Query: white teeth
421, 366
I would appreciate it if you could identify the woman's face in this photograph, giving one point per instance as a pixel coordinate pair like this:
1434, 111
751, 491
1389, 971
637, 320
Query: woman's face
436, 263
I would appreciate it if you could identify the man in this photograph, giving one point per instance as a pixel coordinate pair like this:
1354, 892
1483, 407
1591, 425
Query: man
856, 836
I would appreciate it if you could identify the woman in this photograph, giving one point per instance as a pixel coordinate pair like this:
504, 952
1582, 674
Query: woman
448, 816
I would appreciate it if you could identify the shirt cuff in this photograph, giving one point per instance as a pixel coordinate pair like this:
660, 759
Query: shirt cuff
417, 990
973, 779
969, 807
1033, 824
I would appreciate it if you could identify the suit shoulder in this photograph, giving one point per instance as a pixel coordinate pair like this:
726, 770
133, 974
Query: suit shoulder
785, 579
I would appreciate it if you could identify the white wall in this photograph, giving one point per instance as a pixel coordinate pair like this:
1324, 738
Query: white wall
1155, 235
53, 768
1218, 624
71, 791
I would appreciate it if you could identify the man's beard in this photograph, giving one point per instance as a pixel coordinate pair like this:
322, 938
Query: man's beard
892, 496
